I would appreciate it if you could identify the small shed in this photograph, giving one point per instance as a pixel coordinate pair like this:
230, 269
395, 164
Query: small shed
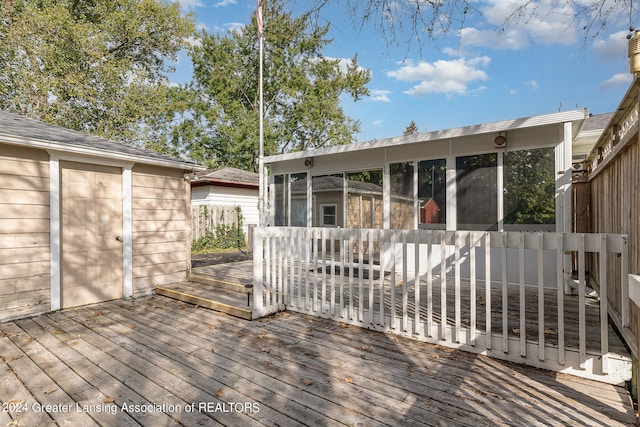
228, 187
85, 219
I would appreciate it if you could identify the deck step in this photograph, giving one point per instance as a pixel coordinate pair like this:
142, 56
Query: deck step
226, 285
203, 295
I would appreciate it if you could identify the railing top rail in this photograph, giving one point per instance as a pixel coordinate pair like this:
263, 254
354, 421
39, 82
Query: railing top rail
615, 243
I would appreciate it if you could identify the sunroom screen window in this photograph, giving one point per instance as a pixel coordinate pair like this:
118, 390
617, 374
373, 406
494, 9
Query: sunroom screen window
298, 200
281, 200
432, 190
327, 190
401, 175
476, 201
364, 201
529, 190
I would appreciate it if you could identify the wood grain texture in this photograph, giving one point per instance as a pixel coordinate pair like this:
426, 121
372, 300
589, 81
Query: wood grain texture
298, 369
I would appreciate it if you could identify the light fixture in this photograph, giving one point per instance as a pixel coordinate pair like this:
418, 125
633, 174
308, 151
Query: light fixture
501, 140
308, 162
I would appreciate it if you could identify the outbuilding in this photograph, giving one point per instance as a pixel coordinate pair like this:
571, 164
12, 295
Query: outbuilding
228, 187
85, 219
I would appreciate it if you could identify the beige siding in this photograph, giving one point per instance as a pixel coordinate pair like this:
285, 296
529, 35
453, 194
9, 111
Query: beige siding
160, 200
24, 232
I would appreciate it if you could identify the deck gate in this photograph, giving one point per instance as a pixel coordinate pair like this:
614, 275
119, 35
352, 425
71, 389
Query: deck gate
453, 288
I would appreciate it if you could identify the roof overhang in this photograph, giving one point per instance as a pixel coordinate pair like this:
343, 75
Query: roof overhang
523, 133
448, 134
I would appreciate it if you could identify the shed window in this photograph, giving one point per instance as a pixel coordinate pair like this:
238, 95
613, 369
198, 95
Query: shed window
329, 215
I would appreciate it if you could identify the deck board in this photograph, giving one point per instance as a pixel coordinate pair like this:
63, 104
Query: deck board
300, 370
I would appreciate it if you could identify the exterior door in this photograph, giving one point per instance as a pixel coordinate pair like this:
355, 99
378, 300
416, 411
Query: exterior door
91, 202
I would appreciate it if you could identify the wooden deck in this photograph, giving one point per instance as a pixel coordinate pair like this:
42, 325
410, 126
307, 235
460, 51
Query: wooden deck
191, 366
239, 273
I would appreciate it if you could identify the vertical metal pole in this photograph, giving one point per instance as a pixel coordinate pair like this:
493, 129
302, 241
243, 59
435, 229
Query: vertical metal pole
261, 191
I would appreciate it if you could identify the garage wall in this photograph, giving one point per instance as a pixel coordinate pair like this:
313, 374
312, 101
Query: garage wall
25, 284
159, 210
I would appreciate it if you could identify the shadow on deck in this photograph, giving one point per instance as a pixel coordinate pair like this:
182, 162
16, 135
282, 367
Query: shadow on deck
223, 288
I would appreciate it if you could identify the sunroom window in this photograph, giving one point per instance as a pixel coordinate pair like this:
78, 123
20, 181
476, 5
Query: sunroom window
529, 190
432, 191
477, 198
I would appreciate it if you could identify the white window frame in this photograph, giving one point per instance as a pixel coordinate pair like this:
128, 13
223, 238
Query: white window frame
322, 207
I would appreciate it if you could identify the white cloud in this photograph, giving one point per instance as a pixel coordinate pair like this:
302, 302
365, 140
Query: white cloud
620, 79
448, 77
376, 124
513, 92
613, 48
509, 40
379, 95
532, 84
224, 3
234, 26
190, 4
538, 22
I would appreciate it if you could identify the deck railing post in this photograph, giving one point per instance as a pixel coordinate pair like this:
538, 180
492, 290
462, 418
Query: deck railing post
258, 240
604, 302
624, 267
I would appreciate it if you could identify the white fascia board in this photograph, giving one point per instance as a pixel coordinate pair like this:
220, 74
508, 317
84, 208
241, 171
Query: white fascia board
95, 152
502, 126
628, 101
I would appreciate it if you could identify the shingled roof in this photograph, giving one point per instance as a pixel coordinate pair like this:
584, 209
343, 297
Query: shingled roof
227, 176
20, 130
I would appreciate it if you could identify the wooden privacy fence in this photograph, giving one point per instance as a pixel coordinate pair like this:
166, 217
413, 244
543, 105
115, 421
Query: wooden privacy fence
205, 218
450, 288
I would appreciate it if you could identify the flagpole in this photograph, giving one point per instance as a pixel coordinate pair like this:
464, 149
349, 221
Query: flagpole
262, 183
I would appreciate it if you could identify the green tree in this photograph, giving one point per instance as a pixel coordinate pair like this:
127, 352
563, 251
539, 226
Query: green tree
411, 129
93, 66
302, 90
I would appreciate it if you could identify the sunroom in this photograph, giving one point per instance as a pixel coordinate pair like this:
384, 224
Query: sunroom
461, 237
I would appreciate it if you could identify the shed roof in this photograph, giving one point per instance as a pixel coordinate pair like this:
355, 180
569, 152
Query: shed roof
19, 130
227, 176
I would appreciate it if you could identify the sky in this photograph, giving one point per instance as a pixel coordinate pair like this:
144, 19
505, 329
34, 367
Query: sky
470, 76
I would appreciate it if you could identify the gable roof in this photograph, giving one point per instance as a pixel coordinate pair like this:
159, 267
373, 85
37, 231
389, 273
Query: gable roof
589, 133
227, 176
19, 130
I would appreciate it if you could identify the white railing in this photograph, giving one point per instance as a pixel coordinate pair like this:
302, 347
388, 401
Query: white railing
496, 293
